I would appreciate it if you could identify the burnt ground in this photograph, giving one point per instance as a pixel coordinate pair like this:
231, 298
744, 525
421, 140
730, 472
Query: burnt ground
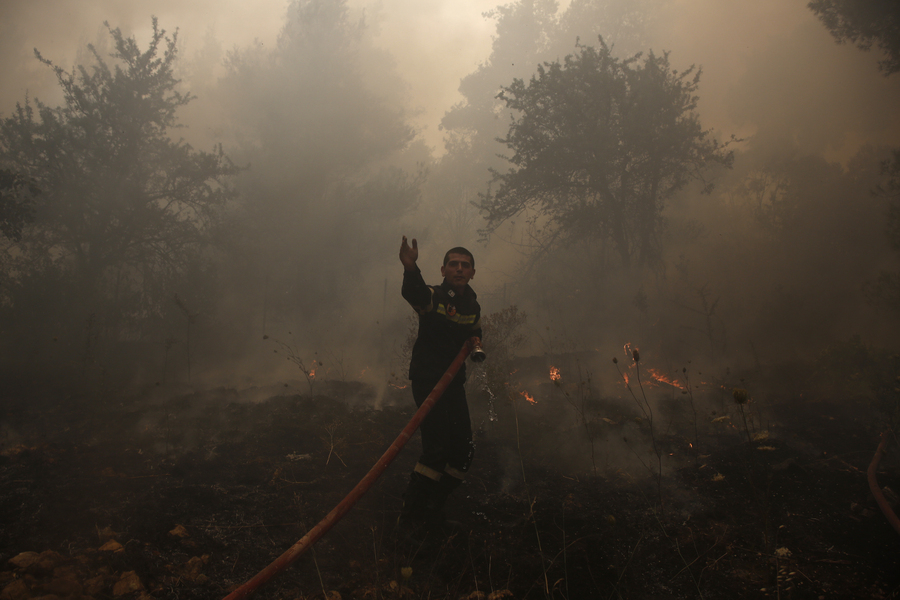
186, 494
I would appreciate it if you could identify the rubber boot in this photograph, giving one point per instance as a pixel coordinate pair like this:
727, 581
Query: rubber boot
437, 500
414, 515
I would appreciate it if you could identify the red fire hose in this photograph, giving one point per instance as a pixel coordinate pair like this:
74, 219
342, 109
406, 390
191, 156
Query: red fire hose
294, 552
882, 502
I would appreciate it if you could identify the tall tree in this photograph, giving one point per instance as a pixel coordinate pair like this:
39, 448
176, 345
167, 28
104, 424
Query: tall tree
864, 23
528, 32
321, 191
867, 23
599, 145
124, 207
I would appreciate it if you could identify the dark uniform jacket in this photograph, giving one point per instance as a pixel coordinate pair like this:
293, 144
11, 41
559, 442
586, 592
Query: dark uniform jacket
446, 321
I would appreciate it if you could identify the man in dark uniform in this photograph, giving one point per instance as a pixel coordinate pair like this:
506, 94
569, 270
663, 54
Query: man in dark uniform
449, 315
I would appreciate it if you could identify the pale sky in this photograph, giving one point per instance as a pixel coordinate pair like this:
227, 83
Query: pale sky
437, 42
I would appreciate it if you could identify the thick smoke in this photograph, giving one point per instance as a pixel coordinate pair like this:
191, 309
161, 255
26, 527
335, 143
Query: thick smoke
342, 139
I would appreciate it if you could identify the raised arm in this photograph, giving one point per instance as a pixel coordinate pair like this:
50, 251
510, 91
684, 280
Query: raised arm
409, 256
415, 291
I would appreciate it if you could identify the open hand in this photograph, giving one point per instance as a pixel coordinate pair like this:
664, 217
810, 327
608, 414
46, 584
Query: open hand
409, 256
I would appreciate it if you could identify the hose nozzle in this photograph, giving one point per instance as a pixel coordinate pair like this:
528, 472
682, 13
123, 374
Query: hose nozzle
477, 355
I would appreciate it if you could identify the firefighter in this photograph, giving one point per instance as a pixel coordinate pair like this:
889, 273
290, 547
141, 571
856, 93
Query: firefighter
449, 315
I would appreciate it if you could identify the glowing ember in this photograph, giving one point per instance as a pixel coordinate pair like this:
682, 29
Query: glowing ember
312, 374
529, 397
662, 378
554, 374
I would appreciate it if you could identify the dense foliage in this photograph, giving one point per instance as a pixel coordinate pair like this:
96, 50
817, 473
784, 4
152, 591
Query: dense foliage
864, 23
124, 209
599, 145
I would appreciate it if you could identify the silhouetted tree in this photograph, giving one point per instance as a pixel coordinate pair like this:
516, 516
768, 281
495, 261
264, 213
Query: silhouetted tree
320, 138
867, 23
528, 32
123, 207
599, 145
864, 23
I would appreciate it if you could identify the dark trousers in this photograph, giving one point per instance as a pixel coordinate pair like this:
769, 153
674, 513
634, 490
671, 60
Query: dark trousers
446, 430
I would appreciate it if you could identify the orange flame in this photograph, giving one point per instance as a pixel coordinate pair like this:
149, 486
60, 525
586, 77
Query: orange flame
662, 378
528, 397
554, 374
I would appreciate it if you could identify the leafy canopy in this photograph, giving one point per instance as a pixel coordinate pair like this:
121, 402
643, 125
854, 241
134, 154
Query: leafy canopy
124, 210
117, 190
599, 145
864, 23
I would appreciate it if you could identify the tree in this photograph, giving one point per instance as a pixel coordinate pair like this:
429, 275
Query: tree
124, 208
323, 138
867, 23
599, 145
864, 23
528, 32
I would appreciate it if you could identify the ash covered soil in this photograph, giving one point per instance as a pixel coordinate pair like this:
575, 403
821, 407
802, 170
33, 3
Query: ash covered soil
186, 494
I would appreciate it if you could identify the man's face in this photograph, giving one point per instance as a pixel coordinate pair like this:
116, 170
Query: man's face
458, 271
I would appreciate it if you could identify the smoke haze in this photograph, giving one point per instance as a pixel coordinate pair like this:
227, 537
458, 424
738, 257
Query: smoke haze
803, 106
435, 44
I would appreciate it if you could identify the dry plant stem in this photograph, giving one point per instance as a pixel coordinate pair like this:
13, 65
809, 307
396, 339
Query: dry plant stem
295, 358
648, 414
519, 448
624, 568
375, 553
582, 411
777, 568
746, 427
319, 573
490, 576
331, 430
687, 382
687, 565
565, 554
537, 533
759, 497
472, 562
876, 490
